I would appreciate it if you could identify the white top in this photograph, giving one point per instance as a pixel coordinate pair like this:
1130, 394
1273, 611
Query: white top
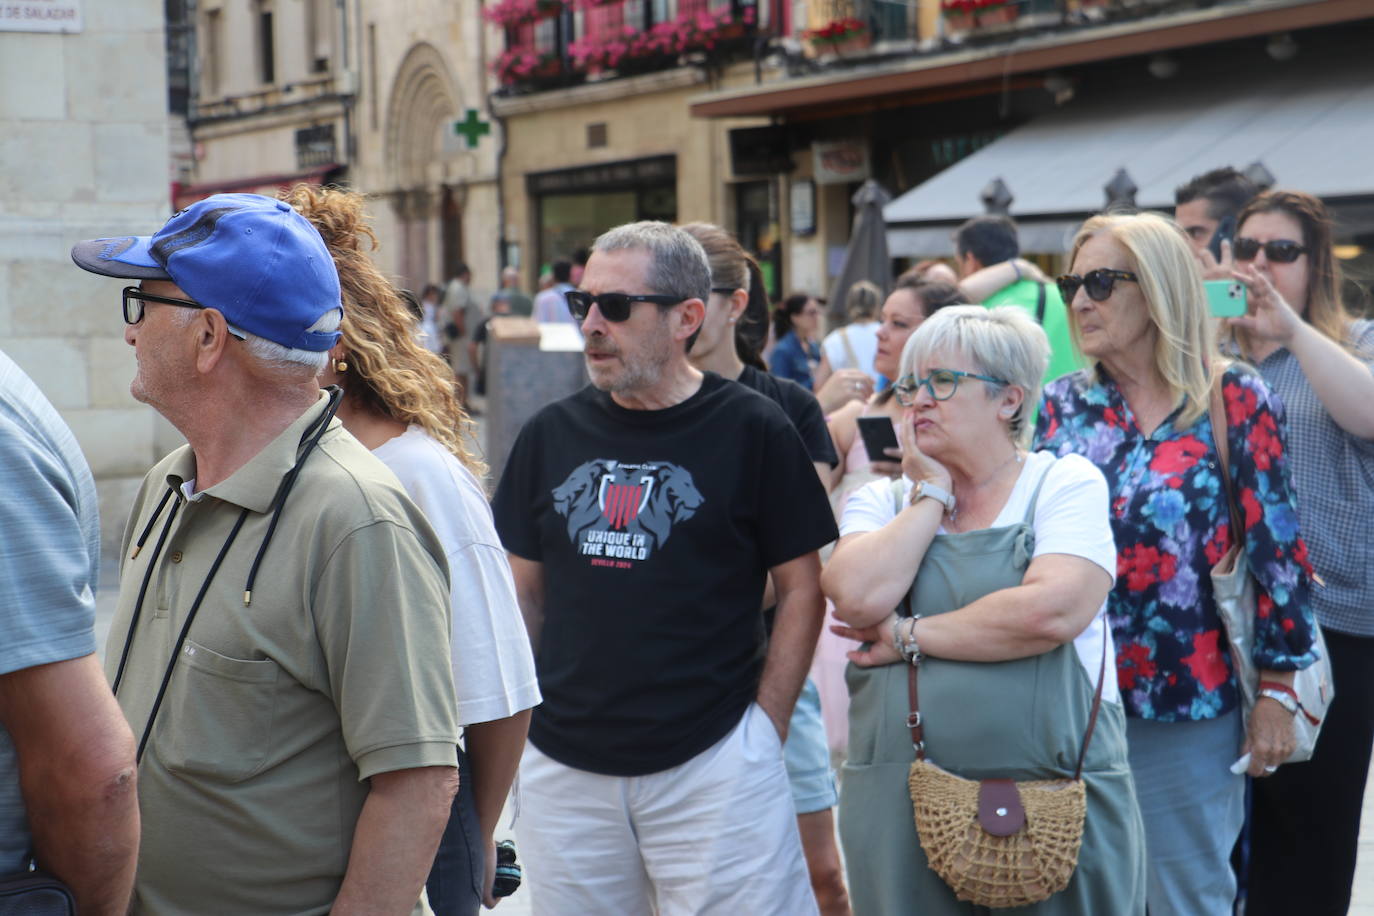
863, 338
493, 667
1070, 518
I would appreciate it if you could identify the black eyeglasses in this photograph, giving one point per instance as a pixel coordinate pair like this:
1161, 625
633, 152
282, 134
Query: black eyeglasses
614, 306
941, 383
725, 290
135, 297
1098, 283
1280, 251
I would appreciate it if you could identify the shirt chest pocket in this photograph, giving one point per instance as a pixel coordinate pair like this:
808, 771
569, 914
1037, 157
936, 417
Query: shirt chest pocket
218, 717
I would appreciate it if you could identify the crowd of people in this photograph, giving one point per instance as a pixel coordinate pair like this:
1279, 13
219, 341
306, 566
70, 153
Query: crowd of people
964, 543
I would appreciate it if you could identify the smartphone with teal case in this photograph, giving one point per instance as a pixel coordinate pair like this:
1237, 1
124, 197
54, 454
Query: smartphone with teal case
1225, 298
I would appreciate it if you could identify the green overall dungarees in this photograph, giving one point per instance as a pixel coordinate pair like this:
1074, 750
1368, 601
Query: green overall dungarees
1020, 719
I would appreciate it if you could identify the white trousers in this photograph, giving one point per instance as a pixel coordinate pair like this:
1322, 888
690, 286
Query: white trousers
715, 835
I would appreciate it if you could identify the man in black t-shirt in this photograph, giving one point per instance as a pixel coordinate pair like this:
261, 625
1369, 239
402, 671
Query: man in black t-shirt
642, 516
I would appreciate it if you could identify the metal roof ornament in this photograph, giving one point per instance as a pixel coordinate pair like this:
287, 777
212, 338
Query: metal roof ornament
1120, 191
1261, 176
996, 197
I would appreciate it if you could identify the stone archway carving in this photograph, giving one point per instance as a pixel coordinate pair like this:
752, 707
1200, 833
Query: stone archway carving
424, 101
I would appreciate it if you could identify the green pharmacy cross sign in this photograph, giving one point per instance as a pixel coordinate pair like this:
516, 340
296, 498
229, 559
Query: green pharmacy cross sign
472, 127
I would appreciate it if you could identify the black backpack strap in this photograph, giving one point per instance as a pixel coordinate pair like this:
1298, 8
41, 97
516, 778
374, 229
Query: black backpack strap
1040, 304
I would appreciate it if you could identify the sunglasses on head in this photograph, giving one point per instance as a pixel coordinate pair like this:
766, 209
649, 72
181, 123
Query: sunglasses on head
1097, 283
1280, 251
613, 306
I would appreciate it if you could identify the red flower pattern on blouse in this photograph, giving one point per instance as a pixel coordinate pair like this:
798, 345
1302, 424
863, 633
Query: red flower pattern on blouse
1206, 663
1144, 566
1263, 439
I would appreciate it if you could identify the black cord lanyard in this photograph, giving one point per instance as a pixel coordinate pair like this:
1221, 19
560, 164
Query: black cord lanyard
315, 431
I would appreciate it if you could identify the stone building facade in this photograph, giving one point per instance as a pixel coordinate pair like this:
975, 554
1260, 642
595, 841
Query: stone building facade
83, 153
361, 92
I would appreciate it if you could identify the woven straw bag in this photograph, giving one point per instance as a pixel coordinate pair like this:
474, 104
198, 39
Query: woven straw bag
1016, 869
998, 842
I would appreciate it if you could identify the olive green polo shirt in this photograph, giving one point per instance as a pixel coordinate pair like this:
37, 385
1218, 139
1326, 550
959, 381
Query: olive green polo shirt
278, 711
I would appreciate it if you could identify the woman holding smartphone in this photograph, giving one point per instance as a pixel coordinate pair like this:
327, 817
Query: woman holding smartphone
1318, 359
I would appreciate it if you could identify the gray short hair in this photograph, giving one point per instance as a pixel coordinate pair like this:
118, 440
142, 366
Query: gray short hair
274, 356
1003, 342
677, 263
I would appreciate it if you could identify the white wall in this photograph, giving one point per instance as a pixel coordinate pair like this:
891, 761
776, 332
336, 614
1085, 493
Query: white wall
83, 154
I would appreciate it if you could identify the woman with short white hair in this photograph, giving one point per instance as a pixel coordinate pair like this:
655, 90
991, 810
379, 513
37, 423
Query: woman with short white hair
1000, 561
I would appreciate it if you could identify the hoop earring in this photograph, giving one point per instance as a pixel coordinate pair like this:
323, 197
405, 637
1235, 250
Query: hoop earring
340, 366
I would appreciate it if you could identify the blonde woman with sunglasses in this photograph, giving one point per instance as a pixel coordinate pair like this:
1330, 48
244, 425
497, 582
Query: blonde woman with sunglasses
1137, 313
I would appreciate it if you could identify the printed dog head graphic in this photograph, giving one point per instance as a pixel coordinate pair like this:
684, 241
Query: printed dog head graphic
647, 498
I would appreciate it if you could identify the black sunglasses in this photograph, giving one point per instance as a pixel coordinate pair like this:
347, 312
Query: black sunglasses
614, 306
135, 297
1098, 283
1280, 251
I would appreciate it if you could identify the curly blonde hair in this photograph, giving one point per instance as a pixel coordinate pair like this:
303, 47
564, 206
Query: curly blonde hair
388, 370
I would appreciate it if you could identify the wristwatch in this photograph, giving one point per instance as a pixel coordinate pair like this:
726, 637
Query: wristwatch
1281, 694
925, 488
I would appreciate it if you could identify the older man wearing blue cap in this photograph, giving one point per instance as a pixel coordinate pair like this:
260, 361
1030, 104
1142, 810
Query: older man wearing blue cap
281, 642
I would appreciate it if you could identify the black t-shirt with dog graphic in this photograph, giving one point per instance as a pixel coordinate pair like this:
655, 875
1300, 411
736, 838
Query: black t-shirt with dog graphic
656, 530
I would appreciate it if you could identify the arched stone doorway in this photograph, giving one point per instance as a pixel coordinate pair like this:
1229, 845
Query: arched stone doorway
424, 102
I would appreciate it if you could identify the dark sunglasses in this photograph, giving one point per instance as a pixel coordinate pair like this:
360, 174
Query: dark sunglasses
1280, 251
1098, 283
135, 297
613, 306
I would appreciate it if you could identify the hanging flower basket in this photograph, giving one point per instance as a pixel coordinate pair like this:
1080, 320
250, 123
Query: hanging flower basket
632, 51
964, 15
839, 37
521, 65
998, 15
512, 13
960, 21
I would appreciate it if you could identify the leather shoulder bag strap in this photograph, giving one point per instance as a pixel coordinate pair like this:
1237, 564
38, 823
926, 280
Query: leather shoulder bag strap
917, 725
1097, 703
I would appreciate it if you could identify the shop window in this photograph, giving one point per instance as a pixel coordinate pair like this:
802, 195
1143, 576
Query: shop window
572, 221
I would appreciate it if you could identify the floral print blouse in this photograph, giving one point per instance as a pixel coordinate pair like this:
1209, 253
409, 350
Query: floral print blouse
1170, 520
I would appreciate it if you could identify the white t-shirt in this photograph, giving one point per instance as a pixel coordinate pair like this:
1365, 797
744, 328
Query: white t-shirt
1070, 518
493, 667
863, 338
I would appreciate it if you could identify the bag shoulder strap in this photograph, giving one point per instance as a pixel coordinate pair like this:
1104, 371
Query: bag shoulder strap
849, 353
917, 725
1216, 411
1040, 304
1097, 704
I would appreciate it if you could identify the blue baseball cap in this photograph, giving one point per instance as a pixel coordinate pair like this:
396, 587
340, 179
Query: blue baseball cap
254, 259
